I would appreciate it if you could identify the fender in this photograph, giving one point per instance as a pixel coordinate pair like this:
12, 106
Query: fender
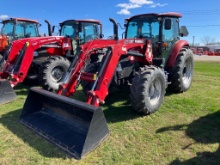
177, 47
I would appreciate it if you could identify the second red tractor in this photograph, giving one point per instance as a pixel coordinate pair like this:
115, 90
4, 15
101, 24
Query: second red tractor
46, 59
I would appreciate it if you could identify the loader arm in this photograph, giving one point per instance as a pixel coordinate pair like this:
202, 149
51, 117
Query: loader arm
127, 47
72, 77
116, 49
11, 55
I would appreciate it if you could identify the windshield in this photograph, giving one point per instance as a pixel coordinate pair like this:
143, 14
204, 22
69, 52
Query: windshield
89, 31
69, 29
22, 29
7, 29
143, 27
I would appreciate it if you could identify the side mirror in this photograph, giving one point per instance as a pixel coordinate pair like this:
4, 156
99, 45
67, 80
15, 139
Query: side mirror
167, 24
101, 36
183, 31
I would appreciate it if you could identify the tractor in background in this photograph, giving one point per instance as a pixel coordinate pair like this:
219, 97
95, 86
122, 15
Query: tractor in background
17, 28
14, 29
45, 59
149, 59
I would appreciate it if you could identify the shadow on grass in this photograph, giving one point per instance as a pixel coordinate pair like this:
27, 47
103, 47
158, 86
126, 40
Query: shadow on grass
204, 130
112, 110
115, 113
112, 114
10, 121
170, 92
116, 109
22, 89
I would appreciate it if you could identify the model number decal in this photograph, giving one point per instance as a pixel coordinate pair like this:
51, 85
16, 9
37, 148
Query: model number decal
138, 41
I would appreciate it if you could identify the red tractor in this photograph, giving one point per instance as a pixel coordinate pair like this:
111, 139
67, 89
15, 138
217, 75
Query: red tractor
45, 59
150, 58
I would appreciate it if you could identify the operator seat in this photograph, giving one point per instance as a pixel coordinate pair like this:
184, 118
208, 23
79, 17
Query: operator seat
74, 46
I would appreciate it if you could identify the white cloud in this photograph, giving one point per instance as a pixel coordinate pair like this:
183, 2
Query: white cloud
132, 4
128, 5
158, 4
4, 16
141, 2
124, 12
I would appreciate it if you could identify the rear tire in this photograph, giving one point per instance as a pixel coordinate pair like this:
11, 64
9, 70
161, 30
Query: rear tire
182, 73
52, 71
147, 90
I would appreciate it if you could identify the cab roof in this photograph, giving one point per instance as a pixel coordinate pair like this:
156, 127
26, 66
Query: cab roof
83, 20
168, 14
20, 19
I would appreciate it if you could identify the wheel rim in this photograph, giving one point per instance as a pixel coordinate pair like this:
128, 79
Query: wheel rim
56, 74
187, 72
155, 92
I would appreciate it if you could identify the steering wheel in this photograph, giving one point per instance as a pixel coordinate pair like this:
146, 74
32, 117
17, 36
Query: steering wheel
90, 37
27, 35
148, 35
9, 34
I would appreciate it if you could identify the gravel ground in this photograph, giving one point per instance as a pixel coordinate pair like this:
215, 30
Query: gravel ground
206, 58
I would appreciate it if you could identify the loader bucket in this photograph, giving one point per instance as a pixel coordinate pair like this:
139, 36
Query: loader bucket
7, 93
74, 126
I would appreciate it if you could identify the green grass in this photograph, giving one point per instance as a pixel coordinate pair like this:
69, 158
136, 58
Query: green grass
185, 130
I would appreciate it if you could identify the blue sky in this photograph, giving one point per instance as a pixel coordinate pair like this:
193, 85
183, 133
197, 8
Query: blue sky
201, 17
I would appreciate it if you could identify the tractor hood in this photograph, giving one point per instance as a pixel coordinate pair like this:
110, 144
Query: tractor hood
38, 39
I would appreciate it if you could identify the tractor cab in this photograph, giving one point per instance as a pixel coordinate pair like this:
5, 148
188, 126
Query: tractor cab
81, 31
16, 28
161, 29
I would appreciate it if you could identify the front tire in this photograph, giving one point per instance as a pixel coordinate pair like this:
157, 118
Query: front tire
147, 90
182, 73
52, 71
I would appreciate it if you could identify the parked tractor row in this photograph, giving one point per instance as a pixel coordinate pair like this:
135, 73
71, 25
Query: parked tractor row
206, 51
46, 59
149, 60
215, 52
